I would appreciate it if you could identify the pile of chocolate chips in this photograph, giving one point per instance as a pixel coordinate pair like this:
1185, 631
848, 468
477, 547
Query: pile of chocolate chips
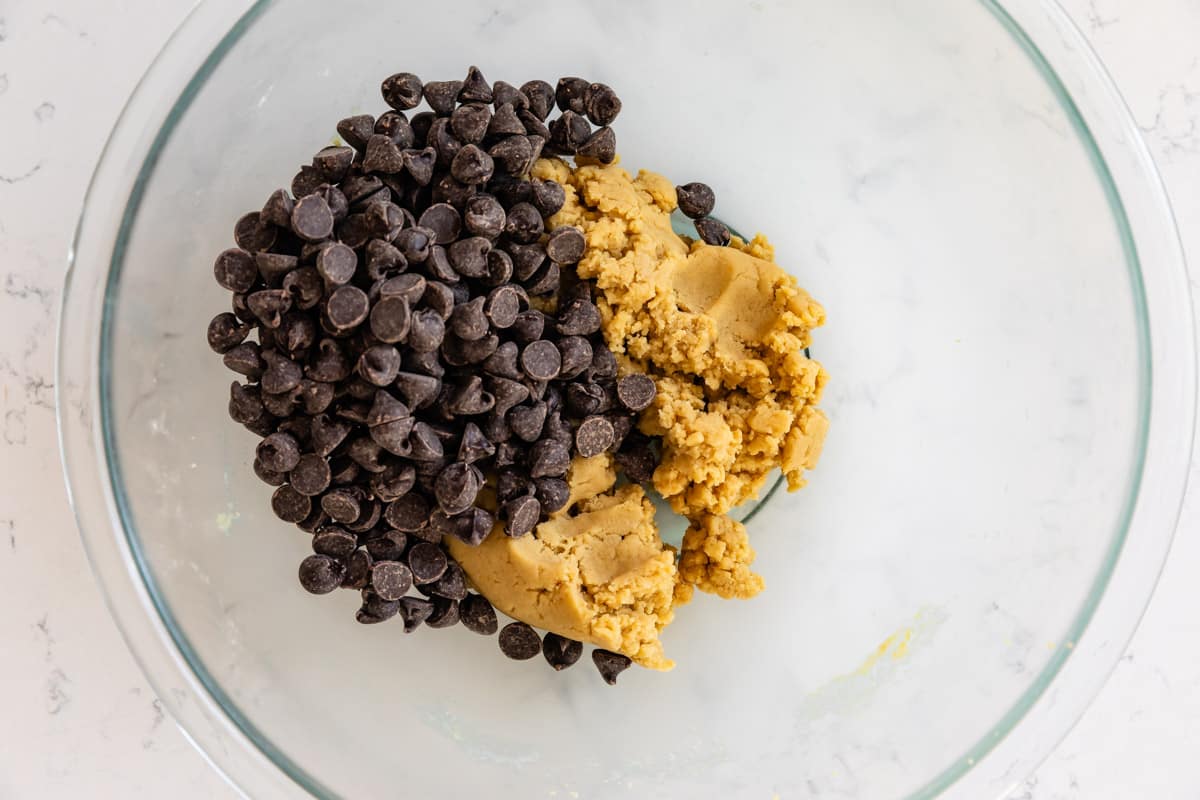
420, 333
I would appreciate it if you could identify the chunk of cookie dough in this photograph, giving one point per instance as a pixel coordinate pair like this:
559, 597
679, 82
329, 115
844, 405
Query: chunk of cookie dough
728, 316
716, 558
596, 572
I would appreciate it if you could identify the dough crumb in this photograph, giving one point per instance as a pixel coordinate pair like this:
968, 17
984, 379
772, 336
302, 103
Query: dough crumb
716, 558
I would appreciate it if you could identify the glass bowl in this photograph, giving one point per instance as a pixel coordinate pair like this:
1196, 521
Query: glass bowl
1012, 395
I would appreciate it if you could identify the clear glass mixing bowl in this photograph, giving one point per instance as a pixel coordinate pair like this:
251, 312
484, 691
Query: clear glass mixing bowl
1012, 397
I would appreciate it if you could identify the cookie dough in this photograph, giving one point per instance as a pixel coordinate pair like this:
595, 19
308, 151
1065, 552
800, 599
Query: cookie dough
716, 558
721, 329
596, 572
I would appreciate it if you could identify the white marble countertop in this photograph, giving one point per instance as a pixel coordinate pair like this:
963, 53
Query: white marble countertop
79, 720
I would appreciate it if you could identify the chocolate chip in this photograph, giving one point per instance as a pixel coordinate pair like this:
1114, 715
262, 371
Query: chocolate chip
226, 331
383, 155
471, 165
610, 664
443, 140
469, 123
469, 256
484, 216
636, 392
332, 162
347, 307
552, 493
444, 220
394, 482
427, 331
519, 642
541, 360
568, 132
252, 233
235, 270
311, 475
452, 585
515, 154
305, 287
414, 244
565, 245
358, 570
548, 198
439, 298
321, 574
505, 121
477, 615
527, 422
391, 580
379, 364
524, 224
445, 613
341, 505
533, 125
636, 459
427, 561
402, 91
375, 609
442, 95
456, 487
561, 652
549, 459
245, 403
279, 452
278, 208
545, 280
521, 515
281, 375
425, 444
417, 390
393, 435
289, 505
419, 164
594, 436
601, 104
527, 259
601, 145
409, 514
329, 364
469, 398
356, 130
312, 219
475, 88
472, 527
468, 320
577, 356
269, 477
414, 611
540, 96
409, 286
571, 93
334, 542
305, 182
244, 359
503, 362
585, 399
696, 200
390, 320
713, 231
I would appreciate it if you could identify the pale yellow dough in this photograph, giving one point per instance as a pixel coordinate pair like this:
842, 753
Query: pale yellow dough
601, 575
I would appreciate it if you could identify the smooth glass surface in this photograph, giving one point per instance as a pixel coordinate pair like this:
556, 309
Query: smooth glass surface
920, 170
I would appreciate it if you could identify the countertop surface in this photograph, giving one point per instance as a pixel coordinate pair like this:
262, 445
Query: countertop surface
78, 718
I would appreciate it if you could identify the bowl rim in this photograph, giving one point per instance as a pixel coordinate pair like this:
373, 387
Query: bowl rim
1045, 711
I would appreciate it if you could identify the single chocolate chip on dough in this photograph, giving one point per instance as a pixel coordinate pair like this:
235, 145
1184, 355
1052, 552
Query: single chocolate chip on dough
713, 231
519, 641
696, 200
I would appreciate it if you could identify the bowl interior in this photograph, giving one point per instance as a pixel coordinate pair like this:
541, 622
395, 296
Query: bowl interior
918, 174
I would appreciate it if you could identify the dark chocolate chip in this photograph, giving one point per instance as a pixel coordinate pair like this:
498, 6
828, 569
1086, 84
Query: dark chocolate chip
533, 125
713, 231
610, 664
279, 452
594, 436
545, 280
347, 307
561, 652
601, 145
383, 155
358, 570
235, 270
356, 130
469, 124
375, 609
484, 216
312, 219
519, 642
414, 611
601, 104
549, 458
341, 505
571, 93
252, 233
527, 421
696, 200
334, 542
281, 375
541, 97
505, 122
442, 95
245, 359
469, 256
278, 208
414, 244
419, 164
409, 286
425, 443
585, 399
391, 580
329, 364
245, 403
269, 477
568, 132
409, 514
444, 220
636, 392
565, 245
445, 613
453, 584
427, 561
576, 356
321, 574
478, 615
549, 197
514, 154
305, 182
457, 487
475, 88
226, 331
552, 493
390, 320
521, 515
471, 165
474, 446
427, 331
289, 505
379, 364
311, 475
523, 224
402, 91
394, 482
